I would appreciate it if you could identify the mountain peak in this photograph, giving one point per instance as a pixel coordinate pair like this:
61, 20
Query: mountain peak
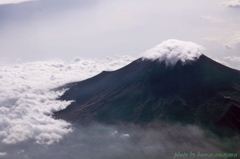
171, 51
203, 92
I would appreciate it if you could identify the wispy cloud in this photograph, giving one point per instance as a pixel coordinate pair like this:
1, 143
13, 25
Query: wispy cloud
211, 19
232, 3
232, 58
13, 1
233, 41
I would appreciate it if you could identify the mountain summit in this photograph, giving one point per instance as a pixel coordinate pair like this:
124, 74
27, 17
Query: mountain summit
172, 51
193, 90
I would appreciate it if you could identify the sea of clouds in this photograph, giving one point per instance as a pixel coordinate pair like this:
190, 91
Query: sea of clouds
27, 102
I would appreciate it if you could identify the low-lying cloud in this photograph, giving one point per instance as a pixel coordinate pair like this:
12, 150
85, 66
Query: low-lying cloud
98, 141
27, 104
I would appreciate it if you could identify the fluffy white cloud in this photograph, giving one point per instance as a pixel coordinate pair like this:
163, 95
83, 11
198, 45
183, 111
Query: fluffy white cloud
171, 51
232, 3
27, 104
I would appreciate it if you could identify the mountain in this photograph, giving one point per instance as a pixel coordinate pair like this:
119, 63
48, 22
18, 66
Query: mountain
195, 90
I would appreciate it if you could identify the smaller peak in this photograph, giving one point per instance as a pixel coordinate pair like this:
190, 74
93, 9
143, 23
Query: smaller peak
172, 51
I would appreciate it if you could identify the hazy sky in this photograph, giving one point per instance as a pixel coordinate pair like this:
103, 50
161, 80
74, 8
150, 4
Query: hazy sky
46, 29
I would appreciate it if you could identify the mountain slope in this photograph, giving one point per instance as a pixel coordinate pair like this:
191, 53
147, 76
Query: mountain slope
199, 91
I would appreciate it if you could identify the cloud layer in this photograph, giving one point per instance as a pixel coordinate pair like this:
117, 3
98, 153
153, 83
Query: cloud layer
26, 102
172, 51
98, 141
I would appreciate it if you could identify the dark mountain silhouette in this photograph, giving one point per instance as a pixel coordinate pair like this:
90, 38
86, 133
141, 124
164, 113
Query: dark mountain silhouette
201, 92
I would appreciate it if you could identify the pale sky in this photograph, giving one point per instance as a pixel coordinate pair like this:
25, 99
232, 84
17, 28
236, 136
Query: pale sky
46, 29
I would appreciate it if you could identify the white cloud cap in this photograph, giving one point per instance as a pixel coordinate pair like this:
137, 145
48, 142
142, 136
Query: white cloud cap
171, 51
